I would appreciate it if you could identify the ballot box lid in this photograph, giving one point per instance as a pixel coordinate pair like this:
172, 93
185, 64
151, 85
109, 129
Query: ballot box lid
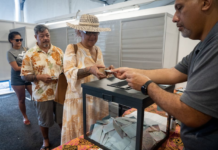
101, 87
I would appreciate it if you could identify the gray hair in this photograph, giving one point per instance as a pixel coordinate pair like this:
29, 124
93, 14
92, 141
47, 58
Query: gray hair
40, 28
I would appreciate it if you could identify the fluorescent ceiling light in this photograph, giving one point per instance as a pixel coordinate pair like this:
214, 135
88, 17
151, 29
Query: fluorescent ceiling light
52, 23
134, 8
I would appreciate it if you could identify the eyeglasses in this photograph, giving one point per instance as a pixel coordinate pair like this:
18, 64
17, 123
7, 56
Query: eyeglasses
17, 40
91, 33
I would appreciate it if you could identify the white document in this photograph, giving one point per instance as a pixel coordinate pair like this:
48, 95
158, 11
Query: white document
105, 139
116, 137
130, 130
121, 145
152, 119
109, 126
102, 137
111, 133
97, 132
132, 144
158, 136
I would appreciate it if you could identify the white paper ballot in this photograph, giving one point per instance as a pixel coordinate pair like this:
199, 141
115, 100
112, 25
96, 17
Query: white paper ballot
109, 126
122, 144
96, 134
152, 119
102, 136
157, 136
116, 137
122, 121
111, 133
132, 144
105, 139
130, 130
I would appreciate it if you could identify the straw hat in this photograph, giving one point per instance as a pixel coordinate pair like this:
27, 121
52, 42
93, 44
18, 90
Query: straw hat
88, 23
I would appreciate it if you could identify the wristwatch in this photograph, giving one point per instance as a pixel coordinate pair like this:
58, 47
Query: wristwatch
144, 88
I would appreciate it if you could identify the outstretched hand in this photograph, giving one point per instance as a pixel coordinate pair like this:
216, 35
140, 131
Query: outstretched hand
95, 71
135, 80
111, 67
120, 72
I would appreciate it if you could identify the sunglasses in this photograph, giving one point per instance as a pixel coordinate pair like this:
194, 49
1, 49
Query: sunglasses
17, 40
91, 33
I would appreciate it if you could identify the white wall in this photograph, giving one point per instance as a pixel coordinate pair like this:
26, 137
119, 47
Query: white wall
35, 10
7, 10
83, 5
186, 45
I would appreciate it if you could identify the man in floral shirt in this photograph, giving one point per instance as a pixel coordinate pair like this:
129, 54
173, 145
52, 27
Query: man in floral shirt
42, 65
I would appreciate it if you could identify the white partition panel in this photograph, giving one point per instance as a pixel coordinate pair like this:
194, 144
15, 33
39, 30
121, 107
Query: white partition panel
4, 29
72, 37
142, 42
30, 37
27, 25
171, 43
109, 42
59, 38
5, 73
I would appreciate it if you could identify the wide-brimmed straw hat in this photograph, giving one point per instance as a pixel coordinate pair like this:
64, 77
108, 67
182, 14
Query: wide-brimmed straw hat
88, 23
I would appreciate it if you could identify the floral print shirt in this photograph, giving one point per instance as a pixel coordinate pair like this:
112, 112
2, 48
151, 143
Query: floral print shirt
38, 62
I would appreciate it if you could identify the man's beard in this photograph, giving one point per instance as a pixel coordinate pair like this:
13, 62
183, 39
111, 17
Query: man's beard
186, 32
46, 45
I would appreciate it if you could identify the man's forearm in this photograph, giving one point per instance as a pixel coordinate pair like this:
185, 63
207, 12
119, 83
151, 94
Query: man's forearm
29, 78
82, 73
164, 76
172, 104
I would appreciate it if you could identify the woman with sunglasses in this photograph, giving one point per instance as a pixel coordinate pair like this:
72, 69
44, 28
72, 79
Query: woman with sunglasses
15, 57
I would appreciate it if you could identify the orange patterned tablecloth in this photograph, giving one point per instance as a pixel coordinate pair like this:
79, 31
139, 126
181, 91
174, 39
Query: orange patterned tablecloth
174, 141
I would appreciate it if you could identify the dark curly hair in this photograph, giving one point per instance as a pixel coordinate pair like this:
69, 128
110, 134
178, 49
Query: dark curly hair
40, 28
12, 35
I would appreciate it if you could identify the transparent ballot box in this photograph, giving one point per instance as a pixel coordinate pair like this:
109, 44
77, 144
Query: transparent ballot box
115, 116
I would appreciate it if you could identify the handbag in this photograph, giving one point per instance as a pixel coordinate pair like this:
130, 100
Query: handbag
61, 87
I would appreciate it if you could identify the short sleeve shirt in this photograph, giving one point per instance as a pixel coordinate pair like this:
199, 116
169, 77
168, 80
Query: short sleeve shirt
201, 93
17, 56
38, 62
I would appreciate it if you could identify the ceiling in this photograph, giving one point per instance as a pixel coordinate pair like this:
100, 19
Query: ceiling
157, 3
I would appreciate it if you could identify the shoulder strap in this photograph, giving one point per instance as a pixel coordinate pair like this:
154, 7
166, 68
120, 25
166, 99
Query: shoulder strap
75, 48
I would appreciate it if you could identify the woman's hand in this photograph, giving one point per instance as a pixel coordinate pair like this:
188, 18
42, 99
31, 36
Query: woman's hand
95, 71
109, 68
